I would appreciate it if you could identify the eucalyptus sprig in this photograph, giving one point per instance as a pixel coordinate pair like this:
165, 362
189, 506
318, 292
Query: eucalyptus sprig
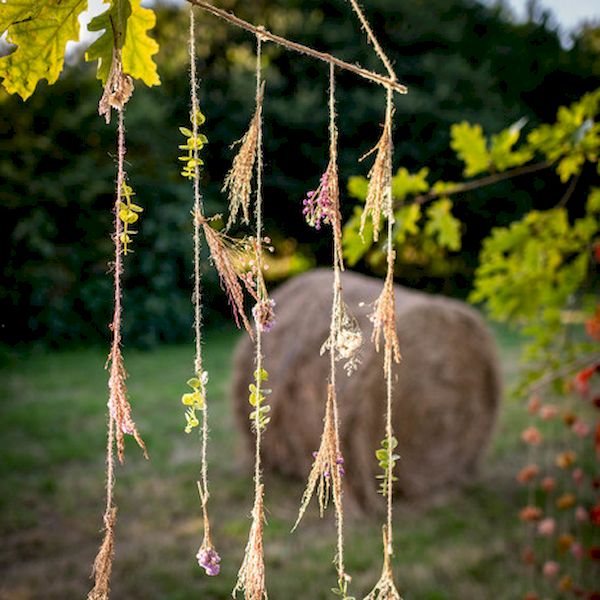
257, 398
194, 400
193, 142
384, 455
129, 213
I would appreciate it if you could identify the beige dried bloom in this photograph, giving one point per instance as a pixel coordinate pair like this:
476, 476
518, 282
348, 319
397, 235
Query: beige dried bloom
238, 181
118, 404
117, 90
385, 588
345, 339
379, 192
103, 563
251, 576
328, 466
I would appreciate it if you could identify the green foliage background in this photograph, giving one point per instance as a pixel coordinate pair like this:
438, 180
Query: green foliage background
461, 60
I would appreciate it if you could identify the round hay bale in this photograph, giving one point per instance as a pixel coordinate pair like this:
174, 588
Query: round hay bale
446, 392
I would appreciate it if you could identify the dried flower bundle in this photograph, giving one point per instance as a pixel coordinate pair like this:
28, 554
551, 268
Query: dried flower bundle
251, 576
385, 588
237, 265
345, 338
327, 469
118, 88
384, 321
238, 181
103, 563
118, 404
379, 192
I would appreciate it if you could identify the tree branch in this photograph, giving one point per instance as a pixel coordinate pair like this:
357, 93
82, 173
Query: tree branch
261, 32
482, 182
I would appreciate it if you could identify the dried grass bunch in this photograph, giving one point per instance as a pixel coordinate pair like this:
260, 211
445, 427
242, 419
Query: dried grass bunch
118, 404
384, 321
237, 264
379, 192
385, 588
328, 466
238, 181
103, 563
251, 576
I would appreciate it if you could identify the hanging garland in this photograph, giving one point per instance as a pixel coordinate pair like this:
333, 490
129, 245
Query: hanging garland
239, 264
117, 92
251, 576
322, 206
196, 400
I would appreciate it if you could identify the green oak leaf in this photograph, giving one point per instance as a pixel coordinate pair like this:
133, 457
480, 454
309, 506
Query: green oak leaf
125, 24
40, 29
470, 145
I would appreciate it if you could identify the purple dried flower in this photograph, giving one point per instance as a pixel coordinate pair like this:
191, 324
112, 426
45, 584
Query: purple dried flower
339, 460
209, 560
264, 315
318, 205
315, 454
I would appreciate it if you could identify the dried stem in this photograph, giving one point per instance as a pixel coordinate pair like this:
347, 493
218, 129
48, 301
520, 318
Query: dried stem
281, 41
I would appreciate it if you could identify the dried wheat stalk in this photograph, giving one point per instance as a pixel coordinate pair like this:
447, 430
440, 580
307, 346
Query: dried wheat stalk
238, 181
327, 469
379, 192
229, 256
251, 576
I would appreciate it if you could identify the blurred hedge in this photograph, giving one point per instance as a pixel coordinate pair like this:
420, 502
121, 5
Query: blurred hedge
461, 60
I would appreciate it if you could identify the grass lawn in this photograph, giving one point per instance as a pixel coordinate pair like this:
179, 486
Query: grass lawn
464, 545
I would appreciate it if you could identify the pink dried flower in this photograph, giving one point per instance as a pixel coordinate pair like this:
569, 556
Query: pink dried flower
578, 475
318, 204
264, 315
547, 527
577, 550
581, 514
209, 560
532, 436
528, 473
580, 428
548, 412
551, 569
534, 404
548, 484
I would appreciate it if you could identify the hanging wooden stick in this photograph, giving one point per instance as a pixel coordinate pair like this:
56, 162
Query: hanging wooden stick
251, 576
